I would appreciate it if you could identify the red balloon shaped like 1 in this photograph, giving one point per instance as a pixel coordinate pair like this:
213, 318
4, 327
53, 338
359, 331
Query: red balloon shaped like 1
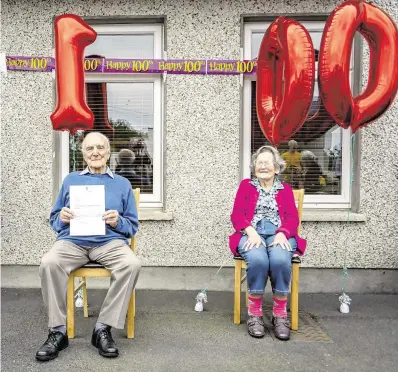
285, 79
72, 35
381, 34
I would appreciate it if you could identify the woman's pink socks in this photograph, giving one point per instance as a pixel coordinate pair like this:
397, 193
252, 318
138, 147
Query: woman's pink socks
255, 308
279, 309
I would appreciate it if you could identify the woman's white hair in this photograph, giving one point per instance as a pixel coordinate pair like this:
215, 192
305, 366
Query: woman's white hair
279, 163
307, 155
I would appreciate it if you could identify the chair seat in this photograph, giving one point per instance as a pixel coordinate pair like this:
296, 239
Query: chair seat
295, 259
92, 265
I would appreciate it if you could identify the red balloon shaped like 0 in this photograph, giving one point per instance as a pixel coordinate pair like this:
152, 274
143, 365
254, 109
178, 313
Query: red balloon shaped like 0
381, 33
285, 79
72, 35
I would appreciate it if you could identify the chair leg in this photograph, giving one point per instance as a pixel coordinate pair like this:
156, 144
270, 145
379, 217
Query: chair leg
247, 294
134, 303
85, 303
237, 291
294, 296
70, 318
131, 316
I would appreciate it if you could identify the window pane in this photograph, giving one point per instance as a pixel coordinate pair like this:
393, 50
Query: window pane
122, 46
316, 163
257, 37
124, 113
316, 37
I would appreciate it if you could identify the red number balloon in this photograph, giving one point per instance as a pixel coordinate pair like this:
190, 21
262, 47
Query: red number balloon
72, 35
334, 63
316, 125
285, 79
97, 99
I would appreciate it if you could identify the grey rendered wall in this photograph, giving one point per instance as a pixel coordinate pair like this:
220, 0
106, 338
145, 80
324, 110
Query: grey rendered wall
202, 141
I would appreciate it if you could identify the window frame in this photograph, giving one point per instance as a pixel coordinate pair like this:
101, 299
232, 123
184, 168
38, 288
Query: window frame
342, 201
154, 200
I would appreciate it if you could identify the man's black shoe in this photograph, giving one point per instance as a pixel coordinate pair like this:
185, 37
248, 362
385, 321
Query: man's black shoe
103, 341
56, 342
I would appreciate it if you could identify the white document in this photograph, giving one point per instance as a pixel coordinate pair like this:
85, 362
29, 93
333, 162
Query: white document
88, 206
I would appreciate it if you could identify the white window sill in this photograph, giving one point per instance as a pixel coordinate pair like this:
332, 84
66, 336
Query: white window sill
152, 214
332, 216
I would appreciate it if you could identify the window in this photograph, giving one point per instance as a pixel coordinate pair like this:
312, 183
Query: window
321, 163
127, 109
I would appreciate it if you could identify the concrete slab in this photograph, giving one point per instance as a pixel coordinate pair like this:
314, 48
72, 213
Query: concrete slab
312, 280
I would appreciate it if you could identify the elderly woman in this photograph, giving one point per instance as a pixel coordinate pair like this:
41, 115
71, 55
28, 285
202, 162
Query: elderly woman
265, 220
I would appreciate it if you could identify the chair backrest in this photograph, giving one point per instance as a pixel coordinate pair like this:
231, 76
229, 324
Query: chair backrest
299, 198
133, 241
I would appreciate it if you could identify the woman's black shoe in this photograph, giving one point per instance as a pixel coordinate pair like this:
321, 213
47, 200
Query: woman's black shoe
256, 327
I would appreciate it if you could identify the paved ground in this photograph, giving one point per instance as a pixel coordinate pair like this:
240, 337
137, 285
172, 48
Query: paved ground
170, 336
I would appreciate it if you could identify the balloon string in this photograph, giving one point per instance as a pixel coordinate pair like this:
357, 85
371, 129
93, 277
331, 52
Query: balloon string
352, 150
208, 283
73, 147
79, 294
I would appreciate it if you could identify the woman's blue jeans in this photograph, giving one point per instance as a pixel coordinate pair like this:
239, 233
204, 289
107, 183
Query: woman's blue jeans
266, 260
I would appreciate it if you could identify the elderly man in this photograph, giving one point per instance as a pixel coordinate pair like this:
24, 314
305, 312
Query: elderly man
111, 250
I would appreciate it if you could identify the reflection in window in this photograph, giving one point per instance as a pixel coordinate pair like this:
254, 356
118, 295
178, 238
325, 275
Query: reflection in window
313, 157
124, 113
135, 46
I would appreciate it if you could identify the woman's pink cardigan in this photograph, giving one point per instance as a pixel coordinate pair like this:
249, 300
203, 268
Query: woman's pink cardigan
244, 208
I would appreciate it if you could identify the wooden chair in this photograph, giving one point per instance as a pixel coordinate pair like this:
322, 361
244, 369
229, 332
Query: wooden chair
93, 269
240, 264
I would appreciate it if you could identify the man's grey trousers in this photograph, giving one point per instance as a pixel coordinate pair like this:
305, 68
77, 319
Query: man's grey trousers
64, 257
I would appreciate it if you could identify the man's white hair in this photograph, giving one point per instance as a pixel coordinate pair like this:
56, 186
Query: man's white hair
100, 135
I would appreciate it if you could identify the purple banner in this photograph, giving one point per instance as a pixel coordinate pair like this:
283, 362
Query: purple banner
20, 63
230, 67
153, 66
140, 66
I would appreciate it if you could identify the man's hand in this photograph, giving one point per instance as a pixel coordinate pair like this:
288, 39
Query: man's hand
111, 217
65, 215
281, 239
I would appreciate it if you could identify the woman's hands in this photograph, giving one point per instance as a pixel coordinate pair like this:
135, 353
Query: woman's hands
253, 239
281, 239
